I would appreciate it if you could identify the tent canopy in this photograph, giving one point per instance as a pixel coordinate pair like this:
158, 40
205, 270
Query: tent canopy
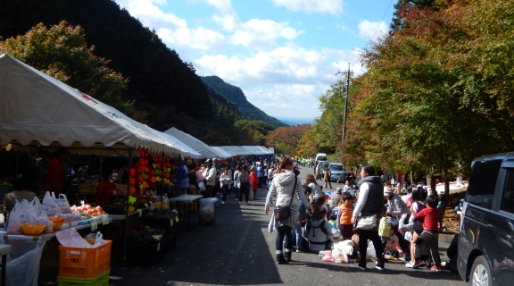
205, 150
38, 108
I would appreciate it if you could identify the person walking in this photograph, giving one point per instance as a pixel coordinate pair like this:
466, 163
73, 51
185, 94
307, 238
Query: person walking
243, 183
326, 178
225, 181
285, 184
235, 186
210, 177
254, 182
370, 204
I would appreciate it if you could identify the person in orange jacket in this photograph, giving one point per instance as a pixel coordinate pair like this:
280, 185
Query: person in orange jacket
255, 181
344, 216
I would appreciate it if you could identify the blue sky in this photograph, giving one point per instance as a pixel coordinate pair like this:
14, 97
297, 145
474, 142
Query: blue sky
283, 54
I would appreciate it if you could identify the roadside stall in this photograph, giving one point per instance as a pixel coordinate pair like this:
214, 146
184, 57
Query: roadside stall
38, 111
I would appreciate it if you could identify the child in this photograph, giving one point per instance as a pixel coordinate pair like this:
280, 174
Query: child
345, 216
318, 231
430, 234
332, 219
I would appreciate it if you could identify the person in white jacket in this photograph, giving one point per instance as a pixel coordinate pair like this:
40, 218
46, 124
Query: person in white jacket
288, 188
210, 177
225, 181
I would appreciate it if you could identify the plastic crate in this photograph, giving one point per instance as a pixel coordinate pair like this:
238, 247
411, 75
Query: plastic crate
100, 280
84, 263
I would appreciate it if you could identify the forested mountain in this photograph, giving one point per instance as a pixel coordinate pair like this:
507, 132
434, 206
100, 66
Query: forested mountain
236, 95
161, 84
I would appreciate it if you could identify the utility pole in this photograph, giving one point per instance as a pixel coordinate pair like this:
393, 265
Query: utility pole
345, 100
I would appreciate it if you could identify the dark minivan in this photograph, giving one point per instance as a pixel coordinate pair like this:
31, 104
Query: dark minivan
486, 237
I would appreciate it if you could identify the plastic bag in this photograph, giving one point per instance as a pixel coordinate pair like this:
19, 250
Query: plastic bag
23, 262
207, 211
370, 252
63, 204
328, 258
50, 206
16, 219
32, 217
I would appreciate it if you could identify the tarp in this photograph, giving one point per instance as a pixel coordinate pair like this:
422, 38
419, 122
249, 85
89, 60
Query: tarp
245, 150
36, 109
205, 150
223, 153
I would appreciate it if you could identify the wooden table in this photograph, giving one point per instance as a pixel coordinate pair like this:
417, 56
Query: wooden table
186, 200
4, 250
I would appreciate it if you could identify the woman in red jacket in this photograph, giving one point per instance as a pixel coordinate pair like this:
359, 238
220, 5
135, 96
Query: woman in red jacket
255, 180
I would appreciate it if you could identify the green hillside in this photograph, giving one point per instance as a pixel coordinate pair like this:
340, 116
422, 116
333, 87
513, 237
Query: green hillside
235, 94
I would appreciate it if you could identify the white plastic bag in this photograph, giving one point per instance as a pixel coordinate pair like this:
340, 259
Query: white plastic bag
16, 219
63, 204
370, 252
24, 261
50, 206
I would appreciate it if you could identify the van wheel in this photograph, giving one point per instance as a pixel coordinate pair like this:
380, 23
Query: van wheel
480, 273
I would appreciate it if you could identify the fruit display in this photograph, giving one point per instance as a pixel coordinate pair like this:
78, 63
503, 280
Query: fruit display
57, 221
32, 229
89, 210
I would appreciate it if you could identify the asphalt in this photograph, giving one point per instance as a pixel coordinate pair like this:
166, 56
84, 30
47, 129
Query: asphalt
239, 250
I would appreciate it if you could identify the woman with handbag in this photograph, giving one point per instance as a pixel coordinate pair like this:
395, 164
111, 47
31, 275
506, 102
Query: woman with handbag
366, 215
286, 185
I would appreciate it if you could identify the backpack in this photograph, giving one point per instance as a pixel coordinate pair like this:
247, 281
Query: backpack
309, 226
244, 178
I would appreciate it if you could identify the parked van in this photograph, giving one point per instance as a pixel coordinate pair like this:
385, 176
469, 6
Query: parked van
321, 157
486, 235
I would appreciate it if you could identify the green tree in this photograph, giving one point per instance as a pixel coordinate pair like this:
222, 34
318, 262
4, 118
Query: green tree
439, 92
62, 52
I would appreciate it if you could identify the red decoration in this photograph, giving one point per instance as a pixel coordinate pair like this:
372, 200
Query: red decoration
132, 172
132, 181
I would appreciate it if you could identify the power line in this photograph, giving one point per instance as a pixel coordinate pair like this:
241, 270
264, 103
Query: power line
378, 28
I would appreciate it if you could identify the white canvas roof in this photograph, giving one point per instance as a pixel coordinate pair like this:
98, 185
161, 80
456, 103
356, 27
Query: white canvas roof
38, 109
245, 150
205, 150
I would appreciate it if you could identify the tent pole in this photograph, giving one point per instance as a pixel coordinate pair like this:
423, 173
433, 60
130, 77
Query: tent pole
125, 222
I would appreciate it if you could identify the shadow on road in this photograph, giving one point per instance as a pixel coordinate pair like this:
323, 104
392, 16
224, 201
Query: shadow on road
232, 252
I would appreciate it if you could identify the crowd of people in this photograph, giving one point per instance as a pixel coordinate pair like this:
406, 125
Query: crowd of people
402, 223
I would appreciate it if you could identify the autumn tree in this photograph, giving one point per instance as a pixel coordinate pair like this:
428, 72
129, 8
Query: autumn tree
62, 52
287, 139
439, 91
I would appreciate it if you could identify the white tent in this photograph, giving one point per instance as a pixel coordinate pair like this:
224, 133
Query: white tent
205, 150
38, 109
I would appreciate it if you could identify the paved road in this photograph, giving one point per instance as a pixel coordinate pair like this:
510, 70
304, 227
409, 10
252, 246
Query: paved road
238, 250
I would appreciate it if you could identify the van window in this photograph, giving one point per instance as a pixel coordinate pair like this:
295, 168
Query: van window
322, 158
508, 192
482, 183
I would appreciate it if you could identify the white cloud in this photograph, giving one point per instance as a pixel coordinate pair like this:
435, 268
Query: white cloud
372, 30
223, 6
286, 80
261, 34
171, 29
334, 7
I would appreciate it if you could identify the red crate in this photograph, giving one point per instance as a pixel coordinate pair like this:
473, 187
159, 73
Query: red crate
85, 263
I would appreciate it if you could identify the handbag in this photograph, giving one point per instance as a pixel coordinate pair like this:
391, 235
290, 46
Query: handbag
367, 222
284, 212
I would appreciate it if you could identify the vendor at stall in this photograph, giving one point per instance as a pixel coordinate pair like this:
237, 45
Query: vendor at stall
56, 176
105, 188
21, 191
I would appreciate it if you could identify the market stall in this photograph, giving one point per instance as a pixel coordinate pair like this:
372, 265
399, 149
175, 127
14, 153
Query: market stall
38, 111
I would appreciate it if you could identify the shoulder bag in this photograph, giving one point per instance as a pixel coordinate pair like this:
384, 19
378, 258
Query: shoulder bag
367, 222
284, 212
